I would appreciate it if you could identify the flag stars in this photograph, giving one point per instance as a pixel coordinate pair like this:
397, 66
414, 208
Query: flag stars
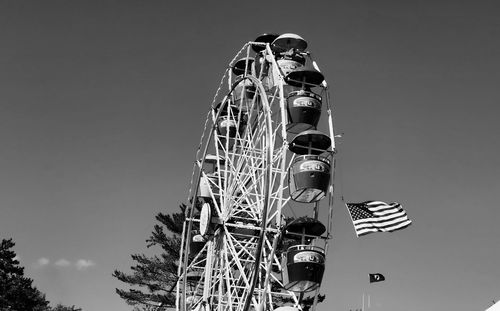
377, 216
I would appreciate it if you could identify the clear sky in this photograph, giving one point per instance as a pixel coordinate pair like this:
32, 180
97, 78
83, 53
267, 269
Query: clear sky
102, 105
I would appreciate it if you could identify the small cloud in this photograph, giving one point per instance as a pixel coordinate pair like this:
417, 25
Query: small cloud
43, 261
62, 263
83, 264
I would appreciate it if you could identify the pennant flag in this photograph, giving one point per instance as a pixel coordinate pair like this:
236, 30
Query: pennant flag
376, 277
377, 216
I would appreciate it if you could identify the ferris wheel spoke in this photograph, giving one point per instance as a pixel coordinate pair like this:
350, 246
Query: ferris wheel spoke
244, 249
235, 261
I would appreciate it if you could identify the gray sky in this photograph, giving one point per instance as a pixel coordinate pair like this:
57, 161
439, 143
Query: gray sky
102, 105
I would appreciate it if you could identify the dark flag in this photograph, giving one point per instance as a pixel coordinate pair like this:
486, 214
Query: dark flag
377, 216
376, 277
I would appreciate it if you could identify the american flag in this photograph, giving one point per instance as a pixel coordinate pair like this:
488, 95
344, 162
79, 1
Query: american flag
377, 216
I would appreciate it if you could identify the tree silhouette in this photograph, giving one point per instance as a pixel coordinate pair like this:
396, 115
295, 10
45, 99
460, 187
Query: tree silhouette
60, 307
153, 276
17, 291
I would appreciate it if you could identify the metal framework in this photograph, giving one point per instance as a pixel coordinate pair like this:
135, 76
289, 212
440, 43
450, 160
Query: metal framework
238, 265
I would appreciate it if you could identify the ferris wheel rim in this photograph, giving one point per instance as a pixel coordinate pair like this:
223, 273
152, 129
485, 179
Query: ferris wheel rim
231, 188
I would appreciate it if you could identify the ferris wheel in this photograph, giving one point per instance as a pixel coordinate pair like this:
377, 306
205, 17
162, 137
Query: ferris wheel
262, 180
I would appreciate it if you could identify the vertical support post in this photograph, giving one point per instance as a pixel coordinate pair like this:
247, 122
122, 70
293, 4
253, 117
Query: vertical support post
208, 272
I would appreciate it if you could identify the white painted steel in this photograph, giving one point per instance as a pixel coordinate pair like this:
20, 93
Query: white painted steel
240, 262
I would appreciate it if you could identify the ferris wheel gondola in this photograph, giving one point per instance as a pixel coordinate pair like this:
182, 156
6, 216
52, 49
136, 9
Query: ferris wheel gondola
260, 154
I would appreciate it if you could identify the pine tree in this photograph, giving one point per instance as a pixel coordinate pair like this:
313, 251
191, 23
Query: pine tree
152, 277
17, 291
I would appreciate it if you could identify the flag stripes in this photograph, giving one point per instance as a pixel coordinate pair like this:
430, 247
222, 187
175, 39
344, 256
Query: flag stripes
377, 216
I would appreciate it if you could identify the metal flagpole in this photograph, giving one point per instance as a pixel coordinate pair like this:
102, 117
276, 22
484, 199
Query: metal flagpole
363, 303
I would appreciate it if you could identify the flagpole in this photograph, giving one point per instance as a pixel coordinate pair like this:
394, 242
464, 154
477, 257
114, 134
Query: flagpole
352, 220
363, 303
